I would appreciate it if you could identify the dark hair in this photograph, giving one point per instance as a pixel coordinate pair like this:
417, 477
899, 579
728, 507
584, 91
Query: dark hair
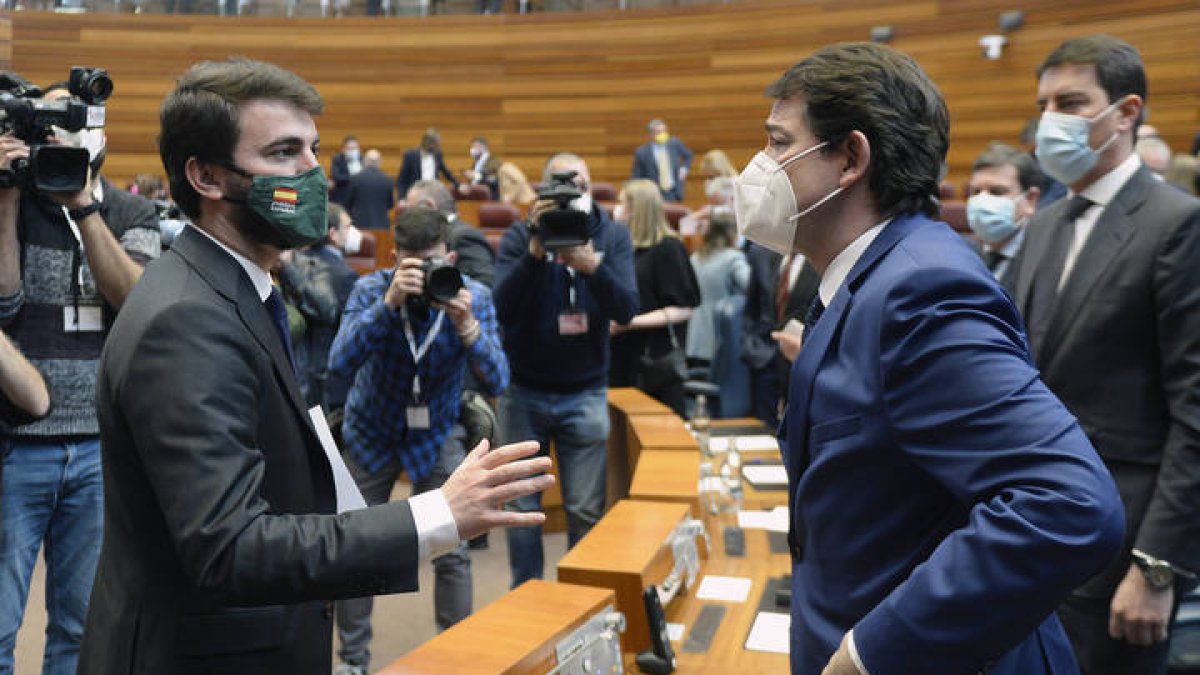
876, 90
721, 233
434, 189
999, 155
333, 217
348, 138
201, 117
481, 140
419, 228
1119, 68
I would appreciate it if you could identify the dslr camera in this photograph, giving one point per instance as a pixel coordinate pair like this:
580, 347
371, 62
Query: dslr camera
442, 283
561, 225
51, 168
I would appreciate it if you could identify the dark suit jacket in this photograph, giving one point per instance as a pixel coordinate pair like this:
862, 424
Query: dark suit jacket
369, 198
410, 171
489, 175
1123, 353
758, 350
220, 541
945, 499
339, 179
644, 165
476, 257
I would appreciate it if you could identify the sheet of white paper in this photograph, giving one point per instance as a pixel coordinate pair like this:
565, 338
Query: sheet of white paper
348, 496
767, 475
674, 632
775, 520
770, 633
727, 589
744, 443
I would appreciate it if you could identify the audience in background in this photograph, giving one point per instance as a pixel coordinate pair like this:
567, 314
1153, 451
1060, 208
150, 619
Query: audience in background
663, 160
67, 263
1003, 194
1110, 290
716, 164
721, 271
1184, 173
513, 186
23, 394
555, 308
667, 292
407, 352
484, 167
474, 256
317, 282
344, 166
719, 191
424, 163
369, 196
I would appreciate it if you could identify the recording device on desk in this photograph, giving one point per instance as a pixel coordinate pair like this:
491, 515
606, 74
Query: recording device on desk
51, 168
660, 658
561, 225
594, 648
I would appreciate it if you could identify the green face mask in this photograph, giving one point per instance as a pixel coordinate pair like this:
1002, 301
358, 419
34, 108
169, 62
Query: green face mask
294, 207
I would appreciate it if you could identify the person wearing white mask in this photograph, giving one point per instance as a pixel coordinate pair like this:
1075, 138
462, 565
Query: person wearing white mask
344, 165
1004, 194
1110, 287
941, 500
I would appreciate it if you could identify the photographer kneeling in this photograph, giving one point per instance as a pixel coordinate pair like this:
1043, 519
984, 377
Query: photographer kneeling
410, 333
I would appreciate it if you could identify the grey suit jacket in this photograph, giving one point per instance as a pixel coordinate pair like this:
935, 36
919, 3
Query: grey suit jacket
1122, 351
220, 541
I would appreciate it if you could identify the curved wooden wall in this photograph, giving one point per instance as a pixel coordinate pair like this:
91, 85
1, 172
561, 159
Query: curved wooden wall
589, 81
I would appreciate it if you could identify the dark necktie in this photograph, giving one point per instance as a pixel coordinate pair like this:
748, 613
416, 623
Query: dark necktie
278, 311
993, 259
813, 315
784, 288
1044, 292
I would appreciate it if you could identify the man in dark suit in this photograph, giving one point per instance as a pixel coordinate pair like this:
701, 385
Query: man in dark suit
1003, 194
344, 166
223, 539
474, 256
1109, 284
772, 300
423, 163
369, 198
485, 167
942, 500
663, 159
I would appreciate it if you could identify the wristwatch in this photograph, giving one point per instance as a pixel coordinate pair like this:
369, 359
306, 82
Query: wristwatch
84, 211
8, 179
1159, 573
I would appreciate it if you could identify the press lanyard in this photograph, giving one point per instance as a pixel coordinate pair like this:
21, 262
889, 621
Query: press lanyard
571, 287
76, 260
418, 353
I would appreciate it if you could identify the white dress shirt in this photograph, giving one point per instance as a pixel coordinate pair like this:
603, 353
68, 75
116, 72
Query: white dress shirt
1100, 193
428, 166
437, 533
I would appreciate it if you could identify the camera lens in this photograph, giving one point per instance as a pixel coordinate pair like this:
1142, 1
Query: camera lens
443, 283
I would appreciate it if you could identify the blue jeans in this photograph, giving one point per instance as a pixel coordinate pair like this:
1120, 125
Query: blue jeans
453, 591
578, 425
52, 493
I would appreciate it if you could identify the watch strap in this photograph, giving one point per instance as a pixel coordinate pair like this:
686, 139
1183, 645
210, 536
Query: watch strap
81, 213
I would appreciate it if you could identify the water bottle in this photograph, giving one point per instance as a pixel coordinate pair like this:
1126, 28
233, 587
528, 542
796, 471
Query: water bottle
730, 474
701, 425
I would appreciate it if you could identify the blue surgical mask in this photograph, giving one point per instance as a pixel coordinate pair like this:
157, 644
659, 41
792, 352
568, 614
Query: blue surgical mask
992, 218
1062, 144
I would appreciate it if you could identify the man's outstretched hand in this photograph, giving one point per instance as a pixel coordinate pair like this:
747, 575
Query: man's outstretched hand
487, 479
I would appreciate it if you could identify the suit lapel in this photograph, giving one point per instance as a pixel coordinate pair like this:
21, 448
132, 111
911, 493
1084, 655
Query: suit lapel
228, 278
1108, 237
1033, 248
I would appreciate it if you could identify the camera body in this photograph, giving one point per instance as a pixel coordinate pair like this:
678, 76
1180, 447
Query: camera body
51, 168
561, 226
442, 282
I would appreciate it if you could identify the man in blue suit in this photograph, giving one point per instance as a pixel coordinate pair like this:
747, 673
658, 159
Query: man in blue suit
943, 501
663, 159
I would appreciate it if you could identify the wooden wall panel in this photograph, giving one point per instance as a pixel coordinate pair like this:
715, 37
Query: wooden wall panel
588, 81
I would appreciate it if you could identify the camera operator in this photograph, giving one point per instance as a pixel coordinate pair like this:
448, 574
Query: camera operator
67, 262
555, 307
410, 334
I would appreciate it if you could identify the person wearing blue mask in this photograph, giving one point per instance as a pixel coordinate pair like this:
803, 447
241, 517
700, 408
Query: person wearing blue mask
1004, 192
1108, 282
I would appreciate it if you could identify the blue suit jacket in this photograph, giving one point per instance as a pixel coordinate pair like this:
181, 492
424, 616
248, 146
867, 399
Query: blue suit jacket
645, 166
945, 500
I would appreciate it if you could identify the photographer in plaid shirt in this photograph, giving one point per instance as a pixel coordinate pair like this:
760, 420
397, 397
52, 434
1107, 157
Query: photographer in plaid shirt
410, 356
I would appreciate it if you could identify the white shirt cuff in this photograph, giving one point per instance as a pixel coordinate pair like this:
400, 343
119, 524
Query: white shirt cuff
853, 648
437, 533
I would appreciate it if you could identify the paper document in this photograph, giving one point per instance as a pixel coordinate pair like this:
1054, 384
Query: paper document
348, 496
675, 632
770, 633
755, 443
765, 475
727, 589
775, 520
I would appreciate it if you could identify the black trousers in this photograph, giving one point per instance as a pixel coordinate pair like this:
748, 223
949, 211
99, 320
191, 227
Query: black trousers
1086, 623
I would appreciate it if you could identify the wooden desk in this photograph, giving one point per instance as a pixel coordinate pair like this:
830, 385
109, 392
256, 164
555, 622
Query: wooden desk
515, 634
624, 402
634, 401
668, 476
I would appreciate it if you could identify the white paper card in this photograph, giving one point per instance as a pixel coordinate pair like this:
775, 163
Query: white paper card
770, 633
89, 319
765, 475
755, 443
775, 520
348, 496
726, 589
674, 632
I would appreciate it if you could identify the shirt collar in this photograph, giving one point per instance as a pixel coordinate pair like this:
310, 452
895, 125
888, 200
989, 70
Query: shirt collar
840, 268
258, 276
1107, 186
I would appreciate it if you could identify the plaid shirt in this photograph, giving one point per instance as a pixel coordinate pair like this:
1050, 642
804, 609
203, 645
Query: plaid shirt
371, 348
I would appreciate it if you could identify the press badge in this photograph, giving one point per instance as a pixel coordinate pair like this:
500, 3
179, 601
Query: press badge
82, 319
417, 416
573, 323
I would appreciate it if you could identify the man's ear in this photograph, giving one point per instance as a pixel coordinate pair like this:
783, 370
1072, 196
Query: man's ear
857, 151
1131, 110
203, 178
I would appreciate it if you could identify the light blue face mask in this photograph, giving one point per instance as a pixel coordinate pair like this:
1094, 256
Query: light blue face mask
1062, 144
992, 218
